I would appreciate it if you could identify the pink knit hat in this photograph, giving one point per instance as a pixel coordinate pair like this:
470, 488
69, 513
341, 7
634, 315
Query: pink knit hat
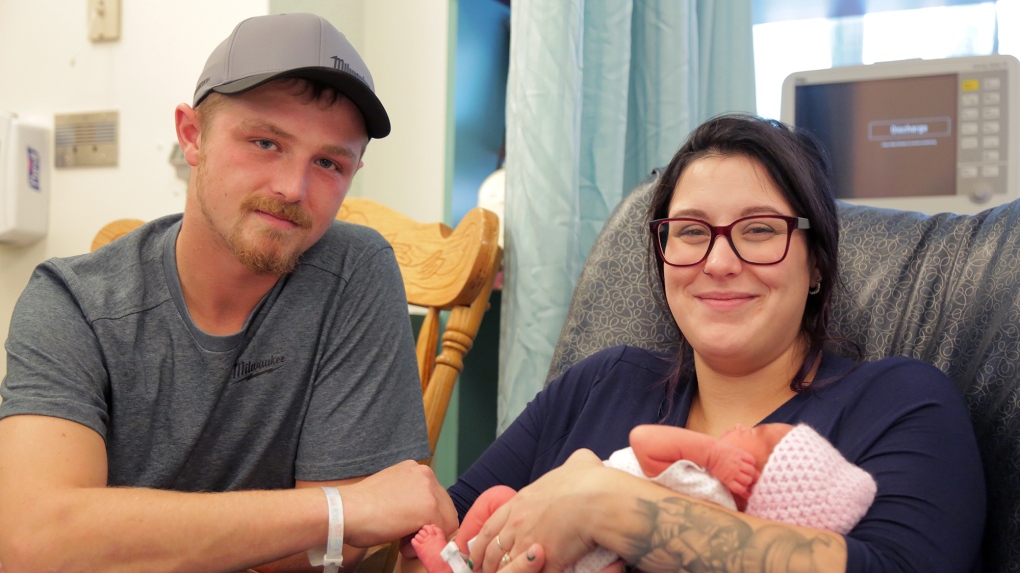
807, 482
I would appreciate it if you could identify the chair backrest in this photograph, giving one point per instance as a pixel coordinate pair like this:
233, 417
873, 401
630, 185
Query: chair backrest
443, 269
115, 230
944, 289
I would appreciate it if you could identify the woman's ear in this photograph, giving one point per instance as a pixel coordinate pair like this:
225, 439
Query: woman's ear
189, 132
815, 286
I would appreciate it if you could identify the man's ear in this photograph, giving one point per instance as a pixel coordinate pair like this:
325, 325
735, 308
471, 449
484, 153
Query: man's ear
189, 132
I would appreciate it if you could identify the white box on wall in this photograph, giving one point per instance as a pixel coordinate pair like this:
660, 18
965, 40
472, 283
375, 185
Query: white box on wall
25, 159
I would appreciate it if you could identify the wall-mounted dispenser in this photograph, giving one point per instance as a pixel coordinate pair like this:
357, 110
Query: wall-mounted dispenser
25, 159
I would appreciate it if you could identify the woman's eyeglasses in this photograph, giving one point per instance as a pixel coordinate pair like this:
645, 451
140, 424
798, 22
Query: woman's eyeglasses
758, 240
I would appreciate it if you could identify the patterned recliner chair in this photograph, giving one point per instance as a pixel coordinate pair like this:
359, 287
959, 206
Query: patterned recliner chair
944, 289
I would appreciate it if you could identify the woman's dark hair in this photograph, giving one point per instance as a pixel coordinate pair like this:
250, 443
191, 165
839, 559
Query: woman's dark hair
799, 167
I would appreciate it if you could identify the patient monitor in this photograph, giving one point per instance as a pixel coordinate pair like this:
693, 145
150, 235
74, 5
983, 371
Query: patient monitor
924, 135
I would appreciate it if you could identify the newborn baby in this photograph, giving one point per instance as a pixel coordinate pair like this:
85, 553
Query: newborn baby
773, 471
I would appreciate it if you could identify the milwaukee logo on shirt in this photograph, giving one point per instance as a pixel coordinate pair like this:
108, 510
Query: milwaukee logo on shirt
249, 369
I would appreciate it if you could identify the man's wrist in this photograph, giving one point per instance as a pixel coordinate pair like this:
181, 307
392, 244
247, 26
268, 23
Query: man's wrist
330, 555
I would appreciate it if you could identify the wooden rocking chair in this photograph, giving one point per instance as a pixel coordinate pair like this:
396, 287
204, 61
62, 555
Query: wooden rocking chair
443, 269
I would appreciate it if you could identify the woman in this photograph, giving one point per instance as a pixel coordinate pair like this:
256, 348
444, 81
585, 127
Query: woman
745, 234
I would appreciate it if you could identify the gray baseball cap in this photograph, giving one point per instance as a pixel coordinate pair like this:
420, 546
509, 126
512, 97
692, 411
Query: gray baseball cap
265, 48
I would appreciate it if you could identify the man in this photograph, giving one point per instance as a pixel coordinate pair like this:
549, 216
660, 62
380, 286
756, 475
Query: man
252, 347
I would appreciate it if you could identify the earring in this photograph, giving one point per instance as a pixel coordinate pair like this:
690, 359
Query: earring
817, 288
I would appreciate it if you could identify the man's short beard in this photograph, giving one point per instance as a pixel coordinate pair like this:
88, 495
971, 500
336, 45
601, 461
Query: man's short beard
262, 261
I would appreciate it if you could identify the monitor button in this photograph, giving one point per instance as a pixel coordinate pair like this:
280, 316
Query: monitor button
990, 171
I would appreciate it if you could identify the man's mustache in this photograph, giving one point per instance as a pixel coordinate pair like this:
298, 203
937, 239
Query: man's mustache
288, 211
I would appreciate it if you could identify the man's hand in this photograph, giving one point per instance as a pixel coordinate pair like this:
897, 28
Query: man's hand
394, 503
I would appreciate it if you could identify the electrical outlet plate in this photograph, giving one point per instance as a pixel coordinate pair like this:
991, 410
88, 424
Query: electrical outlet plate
104, 20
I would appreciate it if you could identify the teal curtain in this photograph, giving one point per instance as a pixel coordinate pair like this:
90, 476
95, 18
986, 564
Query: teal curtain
599, 93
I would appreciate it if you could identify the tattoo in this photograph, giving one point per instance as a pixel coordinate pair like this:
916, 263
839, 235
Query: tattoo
677, 535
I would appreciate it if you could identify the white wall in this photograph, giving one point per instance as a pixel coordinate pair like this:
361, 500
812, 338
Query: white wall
405, 44
48, 66
406, 47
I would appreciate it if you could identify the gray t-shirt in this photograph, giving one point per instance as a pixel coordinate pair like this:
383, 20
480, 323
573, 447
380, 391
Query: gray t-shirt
321, 383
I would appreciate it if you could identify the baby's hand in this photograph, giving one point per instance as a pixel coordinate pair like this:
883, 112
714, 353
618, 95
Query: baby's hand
734, 467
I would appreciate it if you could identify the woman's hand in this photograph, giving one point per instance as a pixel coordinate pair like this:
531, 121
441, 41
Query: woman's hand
557, 512
583, 504
531, 561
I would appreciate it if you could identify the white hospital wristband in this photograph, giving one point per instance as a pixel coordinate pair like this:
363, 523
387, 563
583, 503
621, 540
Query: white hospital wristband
331, 555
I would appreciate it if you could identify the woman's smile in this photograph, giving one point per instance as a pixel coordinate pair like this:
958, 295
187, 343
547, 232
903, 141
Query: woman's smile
725, 301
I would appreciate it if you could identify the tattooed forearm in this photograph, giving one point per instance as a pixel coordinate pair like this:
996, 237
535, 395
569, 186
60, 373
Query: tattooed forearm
678, 535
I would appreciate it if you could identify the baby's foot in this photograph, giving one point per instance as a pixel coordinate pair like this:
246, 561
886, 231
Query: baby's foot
428, 543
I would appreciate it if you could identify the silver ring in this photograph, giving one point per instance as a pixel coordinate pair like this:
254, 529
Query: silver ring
500, 545
505, 560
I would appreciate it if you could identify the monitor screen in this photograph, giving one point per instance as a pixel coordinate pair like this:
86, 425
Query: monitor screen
927, 135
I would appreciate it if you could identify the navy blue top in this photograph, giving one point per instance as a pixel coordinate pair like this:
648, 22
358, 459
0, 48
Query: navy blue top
901, 420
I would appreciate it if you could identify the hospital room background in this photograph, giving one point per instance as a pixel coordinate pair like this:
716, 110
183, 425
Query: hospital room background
441, 67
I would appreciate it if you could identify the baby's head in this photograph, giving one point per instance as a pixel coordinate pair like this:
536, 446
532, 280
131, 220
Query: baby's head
806, 481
